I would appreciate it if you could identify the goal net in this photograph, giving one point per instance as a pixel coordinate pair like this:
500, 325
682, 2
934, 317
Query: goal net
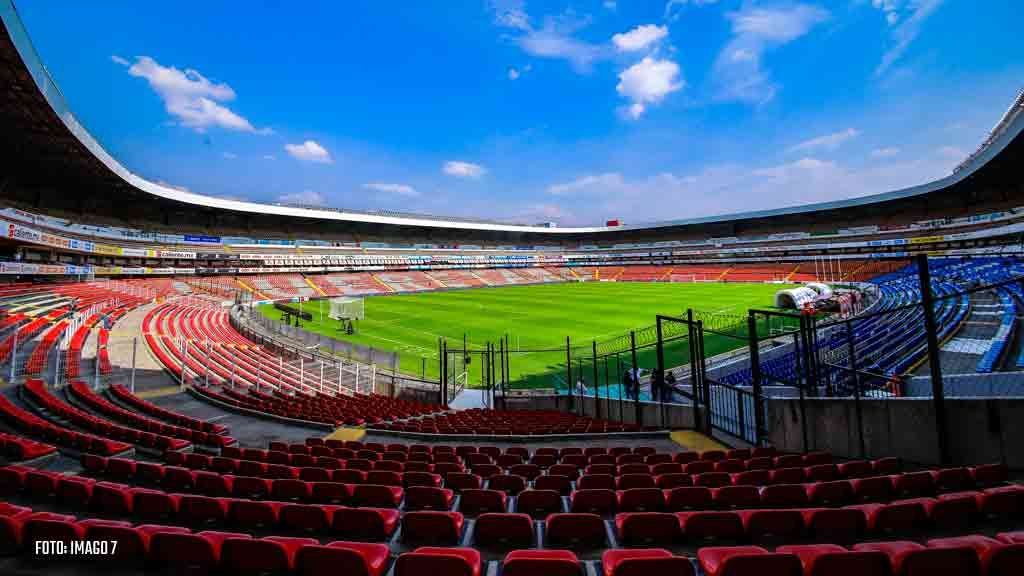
346, 309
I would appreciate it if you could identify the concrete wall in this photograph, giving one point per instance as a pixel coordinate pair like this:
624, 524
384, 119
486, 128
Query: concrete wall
981, 430
677, 416
994, 384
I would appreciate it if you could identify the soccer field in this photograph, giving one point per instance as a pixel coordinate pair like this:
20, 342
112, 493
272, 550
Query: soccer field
534, 317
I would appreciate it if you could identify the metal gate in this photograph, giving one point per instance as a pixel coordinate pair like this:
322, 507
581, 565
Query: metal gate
725, 365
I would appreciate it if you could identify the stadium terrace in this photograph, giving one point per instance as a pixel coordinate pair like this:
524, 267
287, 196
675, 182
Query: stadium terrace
195, 385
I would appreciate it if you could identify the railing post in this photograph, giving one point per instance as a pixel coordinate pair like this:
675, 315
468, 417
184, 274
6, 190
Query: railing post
96, 369
607, 390
691, 341
852, 355
755, 376
135, 350
636, 379
798, 348
932, 338
56, 366
618, 377
703, 378
183, 346
14, 353
569, 387
658, 378
444, 373
597, 395
740, 414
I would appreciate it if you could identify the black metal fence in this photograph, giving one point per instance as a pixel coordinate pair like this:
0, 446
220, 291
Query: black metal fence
728, 368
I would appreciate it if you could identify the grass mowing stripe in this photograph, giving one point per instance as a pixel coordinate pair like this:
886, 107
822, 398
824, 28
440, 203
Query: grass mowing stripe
534, 316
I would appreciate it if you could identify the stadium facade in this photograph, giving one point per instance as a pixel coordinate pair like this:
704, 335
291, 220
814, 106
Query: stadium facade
145, 404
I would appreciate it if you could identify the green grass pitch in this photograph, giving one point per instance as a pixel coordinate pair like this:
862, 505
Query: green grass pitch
535, 317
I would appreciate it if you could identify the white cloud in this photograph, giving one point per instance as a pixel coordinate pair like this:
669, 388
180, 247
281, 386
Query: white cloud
309, 151
890, 8
510, 14
731, 188
906, 32
461, 169
517, 73
305, 198
190, 97
551, 42
589, 183
639, 38
554, 39
801, 167
648, 82
738, 72
400, 189
827, 142
119, 60
673, 8
229, 155
885, 152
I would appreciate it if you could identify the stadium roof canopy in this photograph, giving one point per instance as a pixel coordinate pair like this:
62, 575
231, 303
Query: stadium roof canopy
51, 164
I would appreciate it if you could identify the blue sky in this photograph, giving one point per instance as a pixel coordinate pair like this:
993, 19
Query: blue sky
575, 112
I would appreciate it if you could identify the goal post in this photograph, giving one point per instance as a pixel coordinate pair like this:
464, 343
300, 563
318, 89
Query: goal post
346, 311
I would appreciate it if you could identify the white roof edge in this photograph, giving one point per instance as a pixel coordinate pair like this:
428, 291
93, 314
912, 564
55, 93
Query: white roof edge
53, 95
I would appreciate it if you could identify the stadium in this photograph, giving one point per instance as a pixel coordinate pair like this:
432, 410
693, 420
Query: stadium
193, 384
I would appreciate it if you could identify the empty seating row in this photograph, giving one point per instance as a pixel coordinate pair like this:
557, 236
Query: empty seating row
15, 447
38, 391
124, 395
577, 530
178, 549
505, 423
85, 394
35, 426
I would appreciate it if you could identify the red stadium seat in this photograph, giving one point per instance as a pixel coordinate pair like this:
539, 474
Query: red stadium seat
913, 559
833, 560
440, 528
498, 529
350, 558
747, 560
997, 558
644, 562
538, 502
575, 529
594, 501
439, 561
711, 526
541, 563
428, 498
689, 498
371, 524
477, 501
647, 528
273, 555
